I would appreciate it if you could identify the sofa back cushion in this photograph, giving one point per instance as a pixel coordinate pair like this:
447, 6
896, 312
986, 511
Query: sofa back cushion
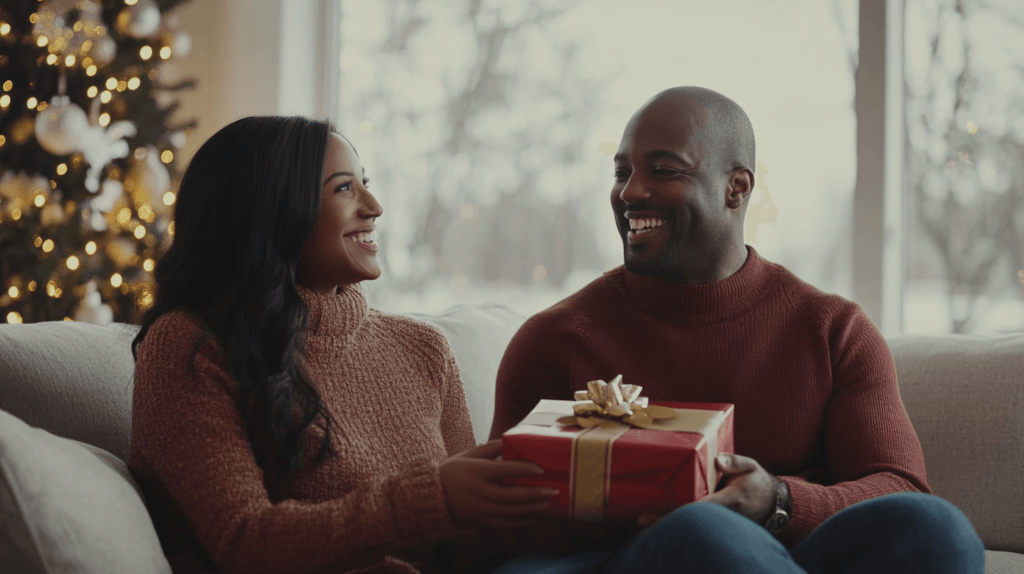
965, 397
66, 506
72, 379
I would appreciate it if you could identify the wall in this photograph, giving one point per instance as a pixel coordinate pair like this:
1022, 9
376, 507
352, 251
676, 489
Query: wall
254, 57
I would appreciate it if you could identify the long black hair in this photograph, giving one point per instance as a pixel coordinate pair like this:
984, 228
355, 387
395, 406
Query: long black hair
246, 203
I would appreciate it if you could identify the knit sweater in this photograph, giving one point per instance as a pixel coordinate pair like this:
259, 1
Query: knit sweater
813, 381
392, 386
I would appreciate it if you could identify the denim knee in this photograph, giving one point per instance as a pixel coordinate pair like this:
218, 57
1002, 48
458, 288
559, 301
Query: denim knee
703, 537
921, 523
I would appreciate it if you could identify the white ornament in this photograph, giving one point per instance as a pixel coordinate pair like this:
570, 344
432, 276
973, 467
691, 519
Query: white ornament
97, 222
99, 146
60, 126
148, 180
104, 49
140, 19
92, 308
178, 139
104, 202
178, 41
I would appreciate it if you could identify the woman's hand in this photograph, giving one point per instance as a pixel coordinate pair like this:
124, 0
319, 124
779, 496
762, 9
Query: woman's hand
476, 496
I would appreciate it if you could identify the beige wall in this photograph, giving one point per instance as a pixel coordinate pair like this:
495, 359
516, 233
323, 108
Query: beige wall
254, 57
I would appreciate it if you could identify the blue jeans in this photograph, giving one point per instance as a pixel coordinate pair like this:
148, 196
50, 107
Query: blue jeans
905, 533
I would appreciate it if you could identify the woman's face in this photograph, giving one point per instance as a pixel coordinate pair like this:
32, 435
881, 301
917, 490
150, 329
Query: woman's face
342, 247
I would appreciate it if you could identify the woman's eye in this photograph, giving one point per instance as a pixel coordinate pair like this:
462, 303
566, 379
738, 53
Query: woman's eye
366, 183
343, 187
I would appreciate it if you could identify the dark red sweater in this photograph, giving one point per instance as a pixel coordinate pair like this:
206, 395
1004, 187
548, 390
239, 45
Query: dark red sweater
813, 381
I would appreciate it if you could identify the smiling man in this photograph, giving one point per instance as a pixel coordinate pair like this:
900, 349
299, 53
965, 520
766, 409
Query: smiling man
828, 474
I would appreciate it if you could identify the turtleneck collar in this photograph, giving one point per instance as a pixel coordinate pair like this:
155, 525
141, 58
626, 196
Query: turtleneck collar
337, 315
701, 303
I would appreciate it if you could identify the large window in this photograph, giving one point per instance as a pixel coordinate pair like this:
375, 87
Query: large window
964, 165
488, 129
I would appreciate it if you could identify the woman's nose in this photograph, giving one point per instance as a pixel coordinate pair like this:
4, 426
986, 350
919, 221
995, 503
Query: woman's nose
370, 207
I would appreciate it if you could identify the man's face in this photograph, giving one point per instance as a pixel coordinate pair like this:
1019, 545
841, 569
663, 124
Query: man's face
667, 203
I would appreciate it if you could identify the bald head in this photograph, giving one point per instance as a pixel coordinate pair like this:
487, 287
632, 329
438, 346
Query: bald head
721, 125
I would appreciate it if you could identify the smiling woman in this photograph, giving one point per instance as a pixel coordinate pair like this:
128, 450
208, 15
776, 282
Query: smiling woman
342, 248
265, 385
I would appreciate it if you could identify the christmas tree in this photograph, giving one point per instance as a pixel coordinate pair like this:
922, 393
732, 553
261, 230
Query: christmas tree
87, 155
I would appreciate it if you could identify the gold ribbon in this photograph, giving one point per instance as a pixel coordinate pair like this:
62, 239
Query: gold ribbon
590, 465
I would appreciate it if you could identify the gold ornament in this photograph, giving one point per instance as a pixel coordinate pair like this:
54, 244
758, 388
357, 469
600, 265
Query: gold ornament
65, 37
23, 188
147, 181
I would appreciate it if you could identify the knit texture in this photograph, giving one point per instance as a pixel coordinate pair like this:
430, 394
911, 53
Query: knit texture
393, 387
813, 381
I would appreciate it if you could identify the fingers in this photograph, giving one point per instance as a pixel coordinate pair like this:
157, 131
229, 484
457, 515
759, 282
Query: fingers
490, 449
518, 494
735, 463
513, 468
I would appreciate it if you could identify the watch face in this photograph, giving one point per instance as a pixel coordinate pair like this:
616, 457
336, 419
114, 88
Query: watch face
777, 522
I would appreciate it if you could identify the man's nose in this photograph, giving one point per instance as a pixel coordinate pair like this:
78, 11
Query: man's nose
635, 190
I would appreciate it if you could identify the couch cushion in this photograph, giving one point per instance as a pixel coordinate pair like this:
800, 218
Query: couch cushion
72, 379
1003, 562
965, 397
478, 336
66, 506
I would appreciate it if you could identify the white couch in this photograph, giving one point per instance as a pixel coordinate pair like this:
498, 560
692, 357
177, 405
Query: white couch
68, 503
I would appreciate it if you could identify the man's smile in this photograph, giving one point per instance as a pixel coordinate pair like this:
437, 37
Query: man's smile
642, 229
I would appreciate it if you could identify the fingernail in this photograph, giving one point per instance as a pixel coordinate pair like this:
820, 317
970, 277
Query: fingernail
536, 470
551, 492
724, 460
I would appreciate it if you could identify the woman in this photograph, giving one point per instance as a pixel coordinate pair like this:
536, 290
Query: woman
279, 425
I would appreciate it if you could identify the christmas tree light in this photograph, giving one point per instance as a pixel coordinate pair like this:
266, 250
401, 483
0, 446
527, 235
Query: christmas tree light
87, 155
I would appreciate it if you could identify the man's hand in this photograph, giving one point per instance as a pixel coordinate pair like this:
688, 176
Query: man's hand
476, 497
749, 489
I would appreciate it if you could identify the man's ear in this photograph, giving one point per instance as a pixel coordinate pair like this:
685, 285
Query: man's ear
741, 185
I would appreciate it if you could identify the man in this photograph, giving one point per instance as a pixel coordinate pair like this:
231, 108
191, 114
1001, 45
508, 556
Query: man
696, 315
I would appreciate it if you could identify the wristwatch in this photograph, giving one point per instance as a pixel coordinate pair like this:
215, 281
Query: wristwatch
779, 518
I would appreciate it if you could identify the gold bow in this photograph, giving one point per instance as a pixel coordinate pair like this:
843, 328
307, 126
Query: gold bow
614, 403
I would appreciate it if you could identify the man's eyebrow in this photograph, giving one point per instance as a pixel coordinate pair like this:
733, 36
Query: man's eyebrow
667, 154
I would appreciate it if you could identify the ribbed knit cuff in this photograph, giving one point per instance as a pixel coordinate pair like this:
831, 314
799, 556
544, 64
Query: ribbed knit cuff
803, 519
421, 507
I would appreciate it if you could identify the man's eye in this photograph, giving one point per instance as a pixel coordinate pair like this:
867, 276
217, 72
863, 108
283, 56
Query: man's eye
621, 174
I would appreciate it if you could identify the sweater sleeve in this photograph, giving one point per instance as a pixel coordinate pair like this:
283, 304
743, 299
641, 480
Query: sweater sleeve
456, 425
871, 447
188, 436
534, 367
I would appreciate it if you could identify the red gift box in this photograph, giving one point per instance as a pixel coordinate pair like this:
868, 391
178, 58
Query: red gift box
620, 474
